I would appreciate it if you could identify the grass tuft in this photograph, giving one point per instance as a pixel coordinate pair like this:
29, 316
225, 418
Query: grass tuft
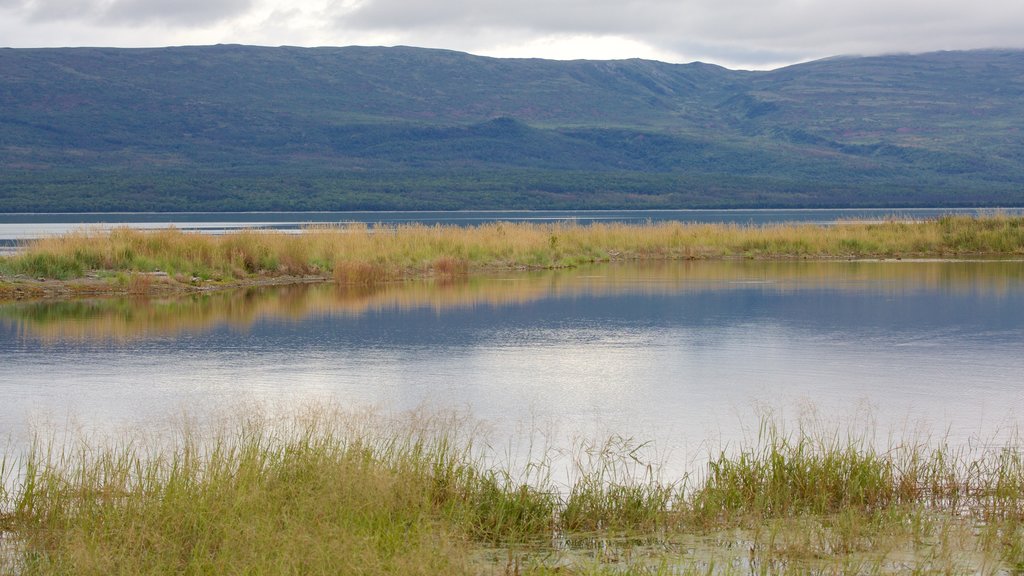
616, 489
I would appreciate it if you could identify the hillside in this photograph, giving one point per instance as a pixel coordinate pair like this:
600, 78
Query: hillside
247, 128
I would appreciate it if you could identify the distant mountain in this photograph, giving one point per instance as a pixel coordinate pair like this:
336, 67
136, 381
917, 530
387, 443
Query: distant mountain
250, 128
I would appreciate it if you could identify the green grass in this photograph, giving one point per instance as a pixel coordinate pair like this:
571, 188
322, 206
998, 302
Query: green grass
360, 255
327, 492
305, 497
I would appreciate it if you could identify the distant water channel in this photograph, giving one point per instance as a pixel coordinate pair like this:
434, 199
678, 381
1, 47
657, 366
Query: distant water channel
687, 354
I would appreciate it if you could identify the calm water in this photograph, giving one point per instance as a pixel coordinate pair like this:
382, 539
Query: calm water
685, 354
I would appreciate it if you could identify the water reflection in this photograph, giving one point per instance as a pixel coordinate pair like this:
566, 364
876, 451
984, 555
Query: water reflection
126, 318
679, 352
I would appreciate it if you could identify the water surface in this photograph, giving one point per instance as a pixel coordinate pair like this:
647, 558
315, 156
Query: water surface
684, 353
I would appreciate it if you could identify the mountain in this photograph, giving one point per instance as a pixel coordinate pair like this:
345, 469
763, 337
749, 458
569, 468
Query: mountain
253, 128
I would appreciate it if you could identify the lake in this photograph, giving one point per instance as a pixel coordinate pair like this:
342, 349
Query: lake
686, 354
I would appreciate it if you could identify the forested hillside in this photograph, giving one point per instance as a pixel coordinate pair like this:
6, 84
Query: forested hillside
250, 128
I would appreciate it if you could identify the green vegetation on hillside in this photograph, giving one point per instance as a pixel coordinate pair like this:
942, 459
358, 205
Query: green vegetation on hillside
249, 128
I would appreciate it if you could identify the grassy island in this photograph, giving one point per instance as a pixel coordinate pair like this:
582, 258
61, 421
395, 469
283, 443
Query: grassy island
125, 260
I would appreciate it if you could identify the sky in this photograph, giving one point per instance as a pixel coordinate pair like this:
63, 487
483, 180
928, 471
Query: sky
751, 34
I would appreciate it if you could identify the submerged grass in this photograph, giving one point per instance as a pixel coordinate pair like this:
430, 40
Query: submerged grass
334, 493
358, 254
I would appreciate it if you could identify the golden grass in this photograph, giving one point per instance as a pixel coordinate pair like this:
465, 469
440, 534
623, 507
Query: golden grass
363, 255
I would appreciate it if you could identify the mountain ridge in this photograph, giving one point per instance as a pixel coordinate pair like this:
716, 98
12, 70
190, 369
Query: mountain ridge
232, 127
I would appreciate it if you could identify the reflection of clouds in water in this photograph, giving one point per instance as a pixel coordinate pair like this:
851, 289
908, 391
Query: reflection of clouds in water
121, 319
676, 353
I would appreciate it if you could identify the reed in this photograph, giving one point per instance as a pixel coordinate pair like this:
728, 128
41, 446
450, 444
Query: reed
364, 255
331, 492
825, 473
615, 488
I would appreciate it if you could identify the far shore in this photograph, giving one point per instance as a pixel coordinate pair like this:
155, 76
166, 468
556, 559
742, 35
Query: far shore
159, 262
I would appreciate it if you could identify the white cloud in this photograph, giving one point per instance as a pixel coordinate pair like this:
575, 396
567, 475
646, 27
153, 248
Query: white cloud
180, 12
573, 47
744, 33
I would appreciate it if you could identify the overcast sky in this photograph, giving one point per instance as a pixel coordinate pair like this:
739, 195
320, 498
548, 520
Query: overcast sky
734, 33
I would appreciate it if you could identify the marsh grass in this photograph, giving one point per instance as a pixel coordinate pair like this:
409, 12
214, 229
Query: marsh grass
784, 475
332, 492
826, 473
616, 488
359, 254
319, 494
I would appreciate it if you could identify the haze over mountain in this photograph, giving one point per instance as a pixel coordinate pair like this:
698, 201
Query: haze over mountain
251, 128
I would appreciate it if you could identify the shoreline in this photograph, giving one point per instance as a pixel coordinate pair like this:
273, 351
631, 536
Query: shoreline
126, 261
21, 289
24, 289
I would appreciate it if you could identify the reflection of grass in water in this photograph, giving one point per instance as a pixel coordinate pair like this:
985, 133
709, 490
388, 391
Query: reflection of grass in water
336, 493
125, 318
360, 255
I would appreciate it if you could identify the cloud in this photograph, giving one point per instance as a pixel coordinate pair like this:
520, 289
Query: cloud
183, 12
738, 31
540, 16
104, 13
58, 10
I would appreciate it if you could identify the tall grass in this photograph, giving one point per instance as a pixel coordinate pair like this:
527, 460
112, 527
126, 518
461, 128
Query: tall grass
363, 255
826, 473
315, 495
328, 492
615, 488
